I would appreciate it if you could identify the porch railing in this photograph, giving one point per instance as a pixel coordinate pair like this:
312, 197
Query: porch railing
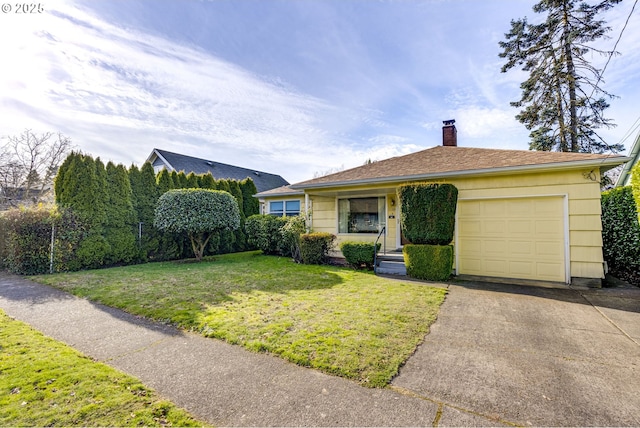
375, 249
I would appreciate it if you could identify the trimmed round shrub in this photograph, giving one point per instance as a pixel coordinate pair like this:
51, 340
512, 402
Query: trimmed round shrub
429, 262
315, 247
359, 254
428, 212
198, 213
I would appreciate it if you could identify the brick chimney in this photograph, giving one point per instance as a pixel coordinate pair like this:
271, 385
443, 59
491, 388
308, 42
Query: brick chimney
449, 133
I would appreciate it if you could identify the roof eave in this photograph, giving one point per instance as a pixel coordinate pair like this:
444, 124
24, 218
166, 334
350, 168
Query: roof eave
634, 157
487, 171
278, 195
157, 154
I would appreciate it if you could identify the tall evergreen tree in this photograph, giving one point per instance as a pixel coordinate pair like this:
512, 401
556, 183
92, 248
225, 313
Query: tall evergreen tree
81, 187
251, 204
206, 181
240, 241
175, 177
165, 182
192, 181
562, 100
121, 218
145, 195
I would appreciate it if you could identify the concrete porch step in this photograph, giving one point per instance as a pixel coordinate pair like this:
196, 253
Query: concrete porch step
391, 263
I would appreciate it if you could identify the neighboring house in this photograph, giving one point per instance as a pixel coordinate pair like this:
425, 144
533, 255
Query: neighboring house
521, 214
176, 162
624, 179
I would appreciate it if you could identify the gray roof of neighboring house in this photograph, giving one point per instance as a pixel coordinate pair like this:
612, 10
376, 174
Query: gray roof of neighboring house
174, 161
624, 179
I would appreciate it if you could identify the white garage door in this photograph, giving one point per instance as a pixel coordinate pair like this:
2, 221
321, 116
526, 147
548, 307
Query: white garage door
512, 238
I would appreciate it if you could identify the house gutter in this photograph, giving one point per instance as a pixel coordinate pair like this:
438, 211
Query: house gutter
634, 155
486, 171
278, 194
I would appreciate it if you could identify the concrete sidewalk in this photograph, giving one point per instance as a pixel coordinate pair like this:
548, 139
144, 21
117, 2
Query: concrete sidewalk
222, 384
498, 355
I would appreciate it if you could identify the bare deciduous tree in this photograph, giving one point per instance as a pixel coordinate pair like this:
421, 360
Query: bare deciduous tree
28, 163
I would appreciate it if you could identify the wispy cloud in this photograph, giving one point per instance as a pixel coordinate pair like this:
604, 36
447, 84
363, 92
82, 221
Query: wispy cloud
99, 82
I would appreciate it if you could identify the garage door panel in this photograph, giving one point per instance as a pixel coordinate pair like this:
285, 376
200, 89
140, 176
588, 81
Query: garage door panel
520, 268
474, 247
494, 227
549, 271
512, 238
493, 210
522, 248
470, 227
521, 227
473, 266
496, 267
494, 247
519, 208
549, 227
549, 250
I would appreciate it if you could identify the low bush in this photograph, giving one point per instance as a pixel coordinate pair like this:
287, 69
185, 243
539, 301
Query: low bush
315, 247
264, 232
359, 254
430, 262
28, 240
26, 233
291, 231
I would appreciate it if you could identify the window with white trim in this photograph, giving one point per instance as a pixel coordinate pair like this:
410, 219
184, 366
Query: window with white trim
288, 208
361, 215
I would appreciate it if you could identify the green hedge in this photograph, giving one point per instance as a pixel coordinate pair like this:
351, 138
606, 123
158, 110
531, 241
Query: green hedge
26, 240
264, 232
430, 262
635, 186
620, 230
315, 247
359, 254
428, 212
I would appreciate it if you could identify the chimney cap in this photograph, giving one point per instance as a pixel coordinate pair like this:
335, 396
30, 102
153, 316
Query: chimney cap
449, 122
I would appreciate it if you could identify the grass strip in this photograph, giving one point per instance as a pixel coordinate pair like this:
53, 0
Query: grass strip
46, 383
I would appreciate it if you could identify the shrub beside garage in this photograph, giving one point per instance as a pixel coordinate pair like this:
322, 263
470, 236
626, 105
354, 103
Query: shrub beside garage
428, 221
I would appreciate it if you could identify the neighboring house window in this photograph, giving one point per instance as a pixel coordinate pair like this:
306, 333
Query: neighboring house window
284, 208
361, 215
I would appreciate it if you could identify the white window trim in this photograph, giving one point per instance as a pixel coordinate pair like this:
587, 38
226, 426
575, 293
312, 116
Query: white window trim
337, 210
284, 206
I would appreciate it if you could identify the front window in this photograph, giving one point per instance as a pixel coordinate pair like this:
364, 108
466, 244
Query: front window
284, 208
361, 215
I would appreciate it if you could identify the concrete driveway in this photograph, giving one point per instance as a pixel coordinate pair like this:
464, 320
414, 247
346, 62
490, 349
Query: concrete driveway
531, 356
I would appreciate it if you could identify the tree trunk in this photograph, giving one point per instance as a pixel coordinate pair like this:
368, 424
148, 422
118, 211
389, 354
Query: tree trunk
571, 82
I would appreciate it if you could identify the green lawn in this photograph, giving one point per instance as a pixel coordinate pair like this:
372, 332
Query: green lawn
46, 383
345, 322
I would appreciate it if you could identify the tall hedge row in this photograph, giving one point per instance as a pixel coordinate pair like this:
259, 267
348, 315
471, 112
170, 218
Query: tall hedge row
621, 232
110, 213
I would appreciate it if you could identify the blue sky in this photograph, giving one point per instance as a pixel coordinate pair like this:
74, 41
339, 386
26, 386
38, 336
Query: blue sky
290, 87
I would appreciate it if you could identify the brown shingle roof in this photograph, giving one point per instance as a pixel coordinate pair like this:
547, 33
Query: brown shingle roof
450, 161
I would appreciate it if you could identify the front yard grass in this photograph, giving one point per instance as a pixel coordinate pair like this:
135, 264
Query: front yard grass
46, 383
344, 322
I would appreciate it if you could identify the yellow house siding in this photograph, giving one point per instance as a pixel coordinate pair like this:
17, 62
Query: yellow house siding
323, 212
582, 194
